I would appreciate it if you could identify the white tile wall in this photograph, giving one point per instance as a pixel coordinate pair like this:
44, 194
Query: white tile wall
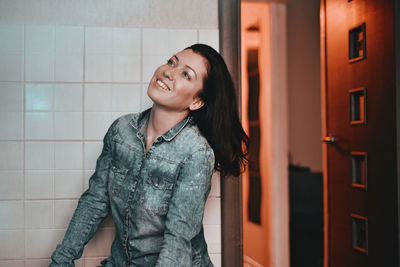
60, 89
12, 184
47, 238
12, 52
92, 152
11, 127
127, 13
39, 214
39, 125
98, 97
39, 184
68, 97
11, 155
12, 214
98, 67
68, 156
112, 54
180, 39
150, 63
213, 236
39, 53
12, 96
37, 262
96, 124
210, 37
212, 213
39, 156
63, 211
68, 125
39, 97
146, 101
155, 42
11, 263
14, 248
69, 54
68, 184
13, 70
125, 97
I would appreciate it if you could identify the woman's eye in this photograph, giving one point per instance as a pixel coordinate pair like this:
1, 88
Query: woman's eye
186, 75
170, 62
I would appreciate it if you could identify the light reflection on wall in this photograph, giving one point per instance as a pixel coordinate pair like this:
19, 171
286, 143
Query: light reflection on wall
39, 97
264, 117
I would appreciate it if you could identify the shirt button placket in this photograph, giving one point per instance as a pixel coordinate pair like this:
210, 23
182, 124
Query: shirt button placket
126, 230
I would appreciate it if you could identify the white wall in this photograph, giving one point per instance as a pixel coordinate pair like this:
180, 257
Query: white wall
304, 83
67, 70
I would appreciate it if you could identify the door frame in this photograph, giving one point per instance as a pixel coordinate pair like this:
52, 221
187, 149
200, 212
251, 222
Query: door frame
229, 12
231, 187
396, 15
322, 24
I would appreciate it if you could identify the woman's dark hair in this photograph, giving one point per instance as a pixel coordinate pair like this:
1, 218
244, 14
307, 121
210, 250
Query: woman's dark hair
218, 120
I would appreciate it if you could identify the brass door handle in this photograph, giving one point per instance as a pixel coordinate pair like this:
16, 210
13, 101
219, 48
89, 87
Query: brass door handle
329, 139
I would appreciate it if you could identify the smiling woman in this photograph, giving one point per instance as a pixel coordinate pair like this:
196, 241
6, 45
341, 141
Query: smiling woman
154, 172
176, 84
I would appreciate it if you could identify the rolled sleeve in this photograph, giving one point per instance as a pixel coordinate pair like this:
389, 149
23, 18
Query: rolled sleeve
93, 207
186, 209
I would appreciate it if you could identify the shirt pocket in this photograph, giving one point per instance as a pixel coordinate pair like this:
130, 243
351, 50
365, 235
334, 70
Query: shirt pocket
117, 176
156, 194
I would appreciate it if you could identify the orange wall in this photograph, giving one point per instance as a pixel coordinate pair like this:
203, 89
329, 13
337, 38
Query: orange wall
304, 83
268, 244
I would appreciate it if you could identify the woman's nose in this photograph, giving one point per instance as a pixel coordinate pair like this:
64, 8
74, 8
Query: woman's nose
168, 73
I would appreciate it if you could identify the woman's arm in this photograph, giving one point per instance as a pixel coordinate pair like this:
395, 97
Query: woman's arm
93, 207
186, 208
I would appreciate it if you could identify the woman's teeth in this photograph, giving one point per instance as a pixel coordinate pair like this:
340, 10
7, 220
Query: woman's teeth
160, 83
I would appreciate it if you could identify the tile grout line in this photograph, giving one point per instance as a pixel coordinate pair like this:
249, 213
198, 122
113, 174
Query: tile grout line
83, 107
69, 82
24, 136
83, 116
51, 140
141, 68
54, 122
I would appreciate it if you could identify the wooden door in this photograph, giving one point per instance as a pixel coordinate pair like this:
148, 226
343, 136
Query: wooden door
361, 207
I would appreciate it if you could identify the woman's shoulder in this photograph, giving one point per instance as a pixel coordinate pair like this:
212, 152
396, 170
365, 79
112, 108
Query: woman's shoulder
194, 139
126, 119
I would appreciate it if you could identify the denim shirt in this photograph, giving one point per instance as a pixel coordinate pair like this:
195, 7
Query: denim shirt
156, 198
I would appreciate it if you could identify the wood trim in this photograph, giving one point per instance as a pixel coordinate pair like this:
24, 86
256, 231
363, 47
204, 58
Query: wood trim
396, 15
231, 187
324, 124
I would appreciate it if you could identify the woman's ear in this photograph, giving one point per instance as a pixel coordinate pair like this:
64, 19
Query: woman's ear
196, 104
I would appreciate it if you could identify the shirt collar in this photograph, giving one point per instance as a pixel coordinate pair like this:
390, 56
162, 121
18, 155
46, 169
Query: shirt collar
140, 120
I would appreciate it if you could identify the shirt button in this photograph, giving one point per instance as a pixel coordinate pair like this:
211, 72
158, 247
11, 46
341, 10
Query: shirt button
135, 182
156, 184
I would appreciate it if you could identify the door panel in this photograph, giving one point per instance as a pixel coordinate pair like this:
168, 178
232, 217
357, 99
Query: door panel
377, 137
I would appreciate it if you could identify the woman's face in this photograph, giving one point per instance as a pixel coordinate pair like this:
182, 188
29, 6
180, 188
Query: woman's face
176, 84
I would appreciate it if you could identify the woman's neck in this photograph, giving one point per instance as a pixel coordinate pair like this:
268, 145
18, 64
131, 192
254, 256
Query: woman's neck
160, 121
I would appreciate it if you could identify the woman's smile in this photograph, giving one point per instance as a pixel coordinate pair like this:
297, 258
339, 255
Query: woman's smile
162, 85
